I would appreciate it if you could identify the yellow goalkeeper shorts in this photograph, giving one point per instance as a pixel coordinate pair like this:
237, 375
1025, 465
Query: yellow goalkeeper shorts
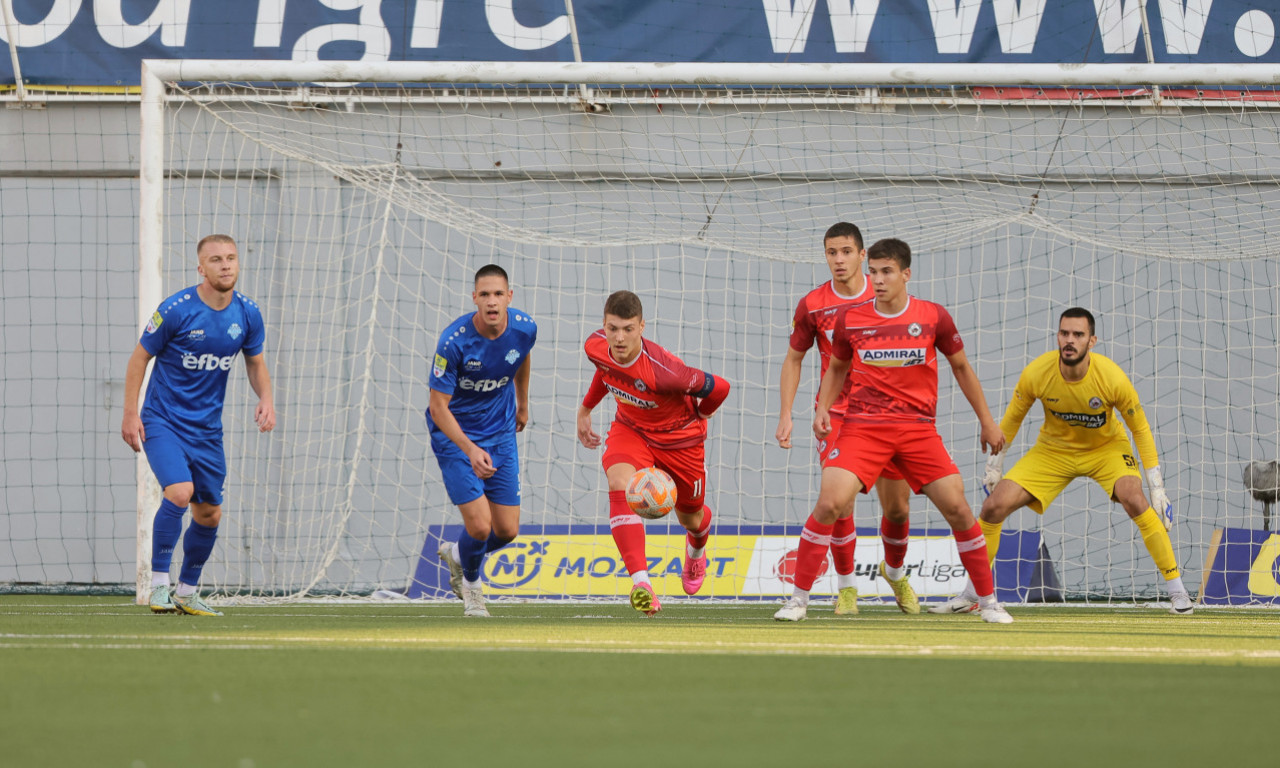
1045, 471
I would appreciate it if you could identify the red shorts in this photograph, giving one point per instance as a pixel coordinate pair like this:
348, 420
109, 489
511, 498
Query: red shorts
915, 449
687, 466
890, 472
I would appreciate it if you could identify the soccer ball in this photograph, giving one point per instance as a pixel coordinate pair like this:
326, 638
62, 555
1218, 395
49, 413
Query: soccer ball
651, 493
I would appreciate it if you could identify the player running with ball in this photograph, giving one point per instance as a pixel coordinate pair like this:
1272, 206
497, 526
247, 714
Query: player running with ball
1079, 389
892, 399
661, 421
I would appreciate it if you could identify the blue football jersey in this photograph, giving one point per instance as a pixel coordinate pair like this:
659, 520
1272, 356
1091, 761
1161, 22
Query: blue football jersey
194, 347
480, 373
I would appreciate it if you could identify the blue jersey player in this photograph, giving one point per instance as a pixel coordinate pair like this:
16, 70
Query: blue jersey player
194, 337
479, 401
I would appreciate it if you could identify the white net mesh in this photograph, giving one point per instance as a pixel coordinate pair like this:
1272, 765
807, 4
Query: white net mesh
362, 215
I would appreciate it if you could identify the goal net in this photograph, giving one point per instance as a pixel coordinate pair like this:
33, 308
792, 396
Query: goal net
363, 211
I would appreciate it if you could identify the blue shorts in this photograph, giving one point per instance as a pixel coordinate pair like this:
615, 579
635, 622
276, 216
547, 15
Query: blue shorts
175, 460
461, 482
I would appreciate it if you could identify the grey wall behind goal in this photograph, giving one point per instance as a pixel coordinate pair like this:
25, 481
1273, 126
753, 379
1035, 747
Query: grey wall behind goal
361, 225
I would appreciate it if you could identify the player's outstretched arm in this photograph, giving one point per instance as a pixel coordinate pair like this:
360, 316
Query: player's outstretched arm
522, 393
991, 436
481, 461
711, 395
131, 428
260, 379
788, 385
832, 383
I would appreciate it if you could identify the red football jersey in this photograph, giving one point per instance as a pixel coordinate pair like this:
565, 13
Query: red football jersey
654, 392
815, 320
894, 370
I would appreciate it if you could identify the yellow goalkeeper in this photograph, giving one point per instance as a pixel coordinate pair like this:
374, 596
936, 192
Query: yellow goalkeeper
1080, 438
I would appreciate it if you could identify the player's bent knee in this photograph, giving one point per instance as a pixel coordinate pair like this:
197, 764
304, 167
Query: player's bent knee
179, 494
208, 515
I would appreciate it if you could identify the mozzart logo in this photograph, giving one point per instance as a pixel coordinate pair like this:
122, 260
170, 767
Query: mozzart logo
892, 358
522, 562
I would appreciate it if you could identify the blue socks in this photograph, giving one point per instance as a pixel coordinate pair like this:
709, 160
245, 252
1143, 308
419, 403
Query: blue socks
165, 531
197, 545
472, 551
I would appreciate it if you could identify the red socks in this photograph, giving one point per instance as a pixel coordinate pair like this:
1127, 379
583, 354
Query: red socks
844, 540
698, 539
973, 554
628, 532
894, 538
815, 540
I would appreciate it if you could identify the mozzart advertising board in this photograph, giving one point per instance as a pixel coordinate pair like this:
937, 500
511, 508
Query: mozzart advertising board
758, 563
1242, 568
102, 42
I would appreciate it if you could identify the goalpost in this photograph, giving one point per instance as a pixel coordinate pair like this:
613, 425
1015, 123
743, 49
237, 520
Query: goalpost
364, 196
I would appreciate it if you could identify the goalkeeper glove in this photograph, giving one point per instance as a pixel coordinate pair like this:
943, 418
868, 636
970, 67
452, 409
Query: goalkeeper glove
993, 472
1159, 499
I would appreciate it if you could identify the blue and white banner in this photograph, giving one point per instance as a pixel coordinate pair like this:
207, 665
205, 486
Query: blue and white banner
102, 42
1243, 568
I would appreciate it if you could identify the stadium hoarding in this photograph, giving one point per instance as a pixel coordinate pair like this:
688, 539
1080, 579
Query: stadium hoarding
1242, 568
743, 563
102, 43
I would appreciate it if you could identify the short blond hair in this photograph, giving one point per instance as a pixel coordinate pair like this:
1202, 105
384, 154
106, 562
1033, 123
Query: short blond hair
213, 239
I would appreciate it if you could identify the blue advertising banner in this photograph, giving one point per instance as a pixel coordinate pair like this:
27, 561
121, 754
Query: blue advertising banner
1242, 568
78, 42
744, 563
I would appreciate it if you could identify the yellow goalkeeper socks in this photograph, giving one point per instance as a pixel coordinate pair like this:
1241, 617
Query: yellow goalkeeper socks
1156, 538
991, 532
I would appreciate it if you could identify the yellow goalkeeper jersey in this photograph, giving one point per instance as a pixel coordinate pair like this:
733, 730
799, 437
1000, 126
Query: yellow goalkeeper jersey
1078, 414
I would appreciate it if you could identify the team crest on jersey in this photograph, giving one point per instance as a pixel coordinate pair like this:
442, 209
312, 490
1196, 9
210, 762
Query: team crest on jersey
472, 365
640, 385
155, 322
512, 356
441, 365
196, 335
234, 331
1095, 402
914, 329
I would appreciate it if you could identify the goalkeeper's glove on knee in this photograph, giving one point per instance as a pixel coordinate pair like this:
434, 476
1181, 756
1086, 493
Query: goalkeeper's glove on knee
993, 472
1159, 499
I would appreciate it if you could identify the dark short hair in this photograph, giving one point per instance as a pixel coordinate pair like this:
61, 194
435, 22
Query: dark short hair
844, 229
492, 270
1079, 312
891, 248
624, 305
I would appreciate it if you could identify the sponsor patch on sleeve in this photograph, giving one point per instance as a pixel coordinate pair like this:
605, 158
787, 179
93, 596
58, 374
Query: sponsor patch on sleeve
440, 367
156, 320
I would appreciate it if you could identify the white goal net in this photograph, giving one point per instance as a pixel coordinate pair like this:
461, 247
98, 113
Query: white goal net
362, 213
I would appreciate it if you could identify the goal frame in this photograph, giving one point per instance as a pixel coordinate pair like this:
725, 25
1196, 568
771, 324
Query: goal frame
156, 73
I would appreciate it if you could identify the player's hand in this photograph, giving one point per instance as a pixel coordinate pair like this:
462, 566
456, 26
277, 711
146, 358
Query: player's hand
1159, 499
586, 435
992, 473
821, 424
783, 432
133, 432
265, 416
522, 417
992, 438
481, 463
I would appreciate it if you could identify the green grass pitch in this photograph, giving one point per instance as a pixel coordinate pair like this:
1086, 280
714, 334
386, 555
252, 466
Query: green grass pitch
101, 682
